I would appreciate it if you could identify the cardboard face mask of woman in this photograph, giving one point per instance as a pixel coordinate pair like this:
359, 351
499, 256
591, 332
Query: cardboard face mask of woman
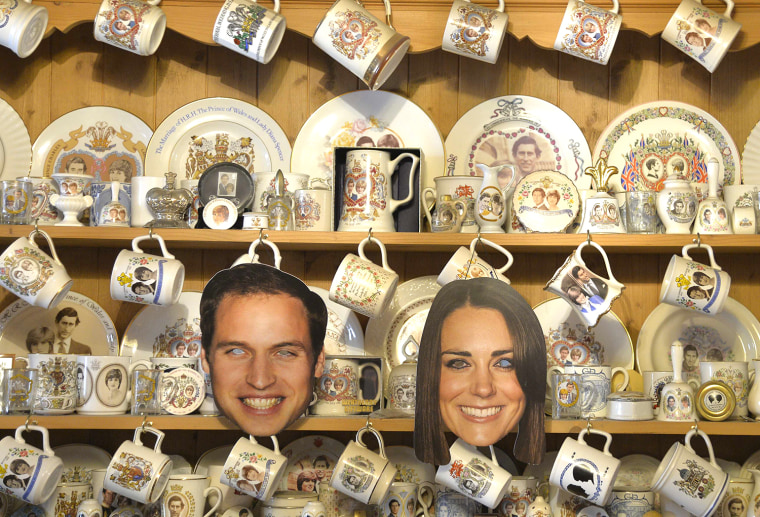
481, 371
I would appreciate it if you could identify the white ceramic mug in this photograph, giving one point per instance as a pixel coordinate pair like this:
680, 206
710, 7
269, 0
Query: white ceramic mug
253, 258
67, 496
362, 285
362, 474
253, 469
186, 494
701, 33
313, 210
56, 383
138, 472
250, 29
585, 471
466, 263
654, 381
589, 32
140, 213
691, 285
338, 390
361, 42
103, 384
136, 26
43, 212
472, 474
475, 31
30, 474
33, 275
22, 26
463, 188
735, 374
144, 278
743, 220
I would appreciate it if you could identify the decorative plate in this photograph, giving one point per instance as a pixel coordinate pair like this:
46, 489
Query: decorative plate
182, 391
751, 157
79, 460
408, 468
15, 145
180, 465
649, 142
303, 455
218, 129
494, 130
109, 142
95, 329
226, 180
404, 318
538, 208
351, 341
731, 335
753, 462
636, 472
156, 331
220, 214
367, 118
216, 456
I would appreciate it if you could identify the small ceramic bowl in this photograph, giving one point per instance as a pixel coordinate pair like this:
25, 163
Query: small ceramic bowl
629, 405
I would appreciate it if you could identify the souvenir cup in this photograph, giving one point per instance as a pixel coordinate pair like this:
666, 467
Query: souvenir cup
30, 474
589, 294
103, 384
735, 375
140, 214
641, 211
16, 196
455, 504
338, 388
134, 25
43, 212
463, 188
24, 26
366, 202
362, 474
253, 258
691, 285
654, 381
693, 483
138, 472
33, 275
465, 264
19, 389
631, 502
250, 29
402, 500
589, 32
475, 31
313, 210
743, 220
362, 285
567, 393
596, 384
701, 33
186, 495
253, 469
143, 278
56, 383
359, 41
585, 471
67, 497
472, 474
146, 393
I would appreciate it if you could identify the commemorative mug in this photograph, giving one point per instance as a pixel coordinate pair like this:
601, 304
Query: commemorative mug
585, 471
67, 496
228, 497
111, 205
466, 263
362, 285
250, 29
140, 214
522, 492
654, 382
146, 392
56, 383
16, 205
103, 383
459, 188
313, 210
138, 472
30, 474
631, 502
362, 474
366, 202
735, 374
26, 25
590, 295
33, 275
454, 504
567, 394
472, 474
339, 385
695, 484
43, 211
589, 32
135, 25
448, 215
19, 389
701, 33
743, 220
596, 384
186, 495
253, 469
361, 42
253, 258
691, 285
475, 31
144, 278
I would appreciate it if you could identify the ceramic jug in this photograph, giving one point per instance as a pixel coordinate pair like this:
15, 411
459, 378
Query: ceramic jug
677, 396
753, 399
448, 215
539, 508
491, 208
677, 205
712, 214
756, 491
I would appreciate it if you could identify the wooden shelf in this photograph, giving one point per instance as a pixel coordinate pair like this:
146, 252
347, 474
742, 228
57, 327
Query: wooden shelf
537, 20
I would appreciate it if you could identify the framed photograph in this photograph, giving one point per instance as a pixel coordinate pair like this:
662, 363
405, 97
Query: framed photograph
226, 180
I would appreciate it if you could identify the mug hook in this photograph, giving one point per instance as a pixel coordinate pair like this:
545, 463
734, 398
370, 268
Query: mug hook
698, 240
36, 225
588, 236
145, 424
29, 421
695, 426
150, 232
472, 255
588, 425
369, 234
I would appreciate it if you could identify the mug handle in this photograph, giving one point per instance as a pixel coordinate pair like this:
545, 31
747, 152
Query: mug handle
383, 253
45, 236
379, 376
706, 438
159, 436
707, 247
395, 203
45, 438
626, 378
493, 455
130, 370
550, 373
593, 244
389, 20
255, 256
137, 240
510, 258
368, 428
274, 441
425, 207
425, 498
218, 493
602, 433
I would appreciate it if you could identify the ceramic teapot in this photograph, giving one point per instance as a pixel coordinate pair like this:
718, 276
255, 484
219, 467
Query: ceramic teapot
677, 205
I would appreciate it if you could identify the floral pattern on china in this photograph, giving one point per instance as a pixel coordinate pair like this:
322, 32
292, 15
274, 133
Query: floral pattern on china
122, 23
588, 34
6, 8
252, 458
342, 383
203, 151
354, 35
483, 20
181, 332
28, 270
685, 27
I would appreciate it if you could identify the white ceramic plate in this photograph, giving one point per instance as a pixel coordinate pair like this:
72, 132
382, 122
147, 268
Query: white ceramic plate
212, 457
302, 453
405, 317
15, 145
221, 130
79, 459
636, 472
351, 341
180, 465
372, 117
487, 133
753, 462
100, 135
156, 331
534, 213
408, 468
672, 134
734, 332
182, 391
95, 329
751, 157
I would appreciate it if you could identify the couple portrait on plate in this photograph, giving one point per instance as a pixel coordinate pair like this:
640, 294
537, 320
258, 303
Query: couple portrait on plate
58, 338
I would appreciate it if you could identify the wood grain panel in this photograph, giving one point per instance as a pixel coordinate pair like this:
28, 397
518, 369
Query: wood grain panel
180, 74
132, 91
77, 72
231, 75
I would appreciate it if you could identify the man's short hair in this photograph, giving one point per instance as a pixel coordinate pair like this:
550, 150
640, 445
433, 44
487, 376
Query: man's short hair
525, 140
76, 159
253, 279
175, 498
67, 312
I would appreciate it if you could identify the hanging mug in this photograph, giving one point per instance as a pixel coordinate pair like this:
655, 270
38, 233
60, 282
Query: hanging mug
691, 285
253, 258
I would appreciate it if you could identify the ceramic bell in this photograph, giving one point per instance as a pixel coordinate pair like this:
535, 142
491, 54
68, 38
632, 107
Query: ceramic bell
677, 396
491, 208
448, 216
280, 208
601, 212
712, 214
677, 204
168, 204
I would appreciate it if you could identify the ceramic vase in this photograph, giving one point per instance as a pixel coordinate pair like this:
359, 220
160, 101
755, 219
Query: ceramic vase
490, 203
71, 201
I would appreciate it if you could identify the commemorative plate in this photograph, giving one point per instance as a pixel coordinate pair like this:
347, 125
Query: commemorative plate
106, 143
182, 391
408, 468
528, 133
79, 460
652, 141
212, 457
751, 157
218, 129
311, 460
15, 145
546, 201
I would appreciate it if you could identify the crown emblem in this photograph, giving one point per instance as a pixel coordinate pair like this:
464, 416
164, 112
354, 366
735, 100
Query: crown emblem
222, 146
334, 370
100, 137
